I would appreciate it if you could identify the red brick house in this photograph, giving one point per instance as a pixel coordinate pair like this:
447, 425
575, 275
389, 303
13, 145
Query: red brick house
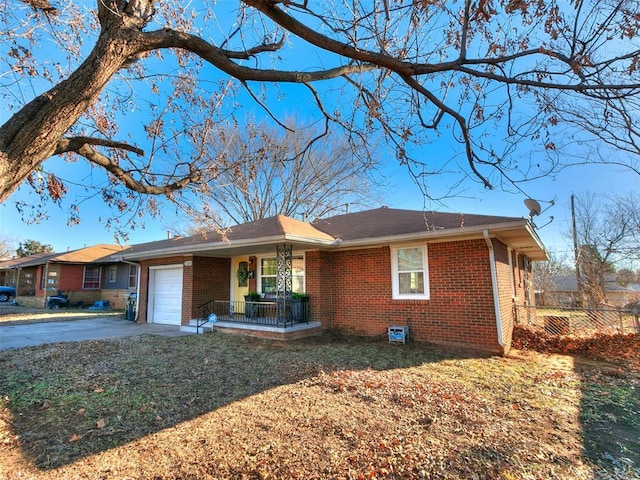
451, 278
84, 275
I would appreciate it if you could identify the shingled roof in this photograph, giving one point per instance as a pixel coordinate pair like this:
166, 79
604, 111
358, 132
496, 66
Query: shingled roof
92, 254
385, 222
278, 228
381, 225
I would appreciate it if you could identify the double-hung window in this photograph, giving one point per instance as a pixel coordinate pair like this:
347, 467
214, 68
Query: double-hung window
133, 276
269, 275
113, 273
410, 275
91, 278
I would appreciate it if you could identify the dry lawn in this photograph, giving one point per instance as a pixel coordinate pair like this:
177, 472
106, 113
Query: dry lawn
223, 407
14, 315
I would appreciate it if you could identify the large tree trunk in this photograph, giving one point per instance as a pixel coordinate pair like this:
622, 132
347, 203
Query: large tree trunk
31, 135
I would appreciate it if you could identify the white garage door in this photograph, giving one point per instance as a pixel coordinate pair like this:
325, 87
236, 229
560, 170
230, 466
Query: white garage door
166, 295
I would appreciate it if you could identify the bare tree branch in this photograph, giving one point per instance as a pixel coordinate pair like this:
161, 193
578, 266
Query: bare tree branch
43, 5
128, 180
524, 87
74, 144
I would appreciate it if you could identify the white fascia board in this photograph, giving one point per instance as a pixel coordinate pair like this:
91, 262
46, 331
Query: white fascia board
200, 247
309, 241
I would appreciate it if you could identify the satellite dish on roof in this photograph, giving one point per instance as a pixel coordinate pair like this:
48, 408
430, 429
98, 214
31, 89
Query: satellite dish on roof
533, 206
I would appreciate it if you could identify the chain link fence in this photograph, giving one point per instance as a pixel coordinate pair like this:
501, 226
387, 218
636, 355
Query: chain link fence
582, 322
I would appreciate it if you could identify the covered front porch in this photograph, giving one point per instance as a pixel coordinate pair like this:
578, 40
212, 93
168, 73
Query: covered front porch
265, 291
281, 312
265, 318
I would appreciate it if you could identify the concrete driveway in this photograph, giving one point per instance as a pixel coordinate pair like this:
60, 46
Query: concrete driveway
26, 335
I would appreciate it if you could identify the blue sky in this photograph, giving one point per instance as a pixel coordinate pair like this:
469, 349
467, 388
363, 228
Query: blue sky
400, 193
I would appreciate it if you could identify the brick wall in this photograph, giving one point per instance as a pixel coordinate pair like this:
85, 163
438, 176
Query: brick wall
39, 274
71, 277
208, 279
319, 286
460, 310
116, 298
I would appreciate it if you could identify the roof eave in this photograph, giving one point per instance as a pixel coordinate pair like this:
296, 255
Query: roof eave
474, 232
538, 242
225, 245
444, 234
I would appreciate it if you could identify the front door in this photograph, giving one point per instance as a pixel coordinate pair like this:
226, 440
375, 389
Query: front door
239, 281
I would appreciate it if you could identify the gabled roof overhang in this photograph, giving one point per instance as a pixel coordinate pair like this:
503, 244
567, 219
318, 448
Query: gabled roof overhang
228, 248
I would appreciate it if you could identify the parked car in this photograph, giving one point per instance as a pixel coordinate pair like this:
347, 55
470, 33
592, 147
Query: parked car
6, 293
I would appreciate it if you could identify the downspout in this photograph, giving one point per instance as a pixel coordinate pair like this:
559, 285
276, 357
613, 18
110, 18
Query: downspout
494, 284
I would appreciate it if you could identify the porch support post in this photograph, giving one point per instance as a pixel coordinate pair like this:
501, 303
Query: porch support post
284, 280
253, 280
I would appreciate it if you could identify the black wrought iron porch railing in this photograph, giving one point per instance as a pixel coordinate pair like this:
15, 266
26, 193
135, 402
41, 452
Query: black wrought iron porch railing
204, 311
277, 313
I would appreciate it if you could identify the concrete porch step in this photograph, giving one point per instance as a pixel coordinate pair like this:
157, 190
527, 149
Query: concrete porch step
193, 327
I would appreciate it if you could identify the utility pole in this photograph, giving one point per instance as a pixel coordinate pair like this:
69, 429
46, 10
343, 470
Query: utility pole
576, 248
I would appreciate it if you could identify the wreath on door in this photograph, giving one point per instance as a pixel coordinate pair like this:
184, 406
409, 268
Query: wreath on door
243, 274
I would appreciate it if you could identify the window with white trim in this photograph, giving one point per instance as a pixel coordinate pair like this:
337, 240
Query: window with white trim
269, 275
297, 275
133, 276
113, 273
410, 275
91, 279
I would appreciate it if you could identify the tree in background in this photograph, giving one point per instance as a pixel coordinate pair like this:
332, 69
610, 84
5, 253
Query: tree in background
6, 247
31, 247
137, 88
296, 172
607, 232
547, 276
625, 276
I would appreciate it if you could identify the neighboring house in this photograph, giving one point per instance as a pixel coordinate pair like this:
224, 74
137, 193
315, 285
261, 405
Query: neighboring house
10, 269
451, 278
564, 292
85, 275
